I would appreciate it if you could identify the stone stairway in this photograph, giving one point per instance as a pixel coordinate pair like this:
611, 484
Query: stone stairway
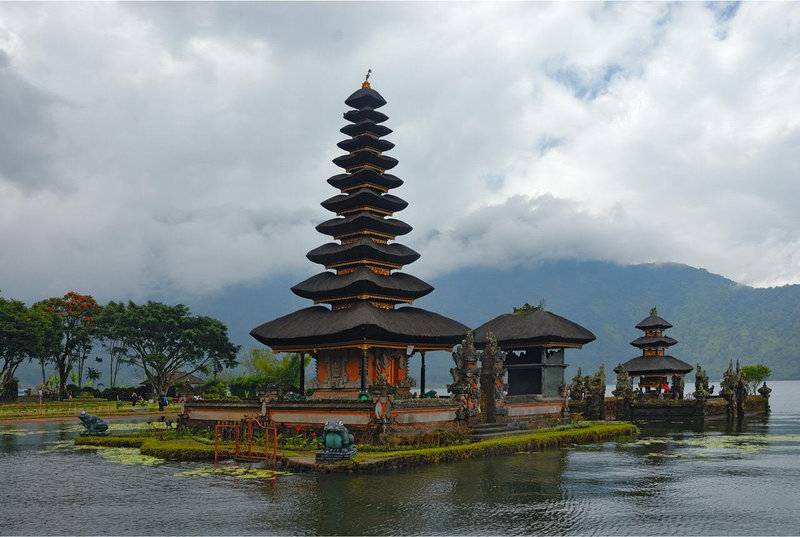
486, 431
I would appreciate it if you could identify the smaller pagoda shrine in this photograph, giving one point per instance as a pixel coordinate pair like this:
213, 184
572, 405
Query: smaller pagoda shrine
654, 368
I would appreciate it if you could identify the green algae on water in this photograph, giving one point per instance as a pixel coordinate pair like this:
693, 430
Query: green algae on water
235, 471
129, 456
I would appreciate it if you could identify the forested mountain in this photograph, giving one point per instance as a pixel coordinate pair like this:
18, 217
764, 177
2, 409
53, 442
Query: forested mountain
715, 319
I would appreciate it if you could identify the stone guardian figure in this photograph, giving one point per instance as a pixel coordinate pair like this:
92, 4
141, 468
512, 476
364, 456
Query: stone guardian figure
466, 376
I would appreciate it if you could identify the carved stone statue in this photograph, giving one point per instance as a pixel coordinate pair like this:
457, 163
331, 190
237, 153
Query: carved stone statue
466, 374
596, 393
701, 390
339, 444
94, 425
493, 371
624, 387
678, 386
764, 392
381, 385
577, 390
734, 389
729, 383
383, 412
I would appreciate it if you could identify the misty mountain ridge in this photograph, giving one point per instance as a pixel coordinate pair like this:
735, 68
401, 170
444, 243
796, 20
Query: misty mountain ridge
714, 319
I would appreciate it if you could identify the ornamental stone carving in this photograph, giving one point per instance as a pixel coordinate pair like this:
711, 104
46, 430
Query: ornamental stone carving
466, 375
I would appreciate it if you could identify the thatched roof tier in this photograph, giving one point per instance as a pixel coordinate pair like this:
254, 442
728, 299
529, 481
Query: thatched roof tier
367, 127
654, 341
364, 198
366, 97
367, 114
536, 328
656, 365
363, 221
365, 158
365, 143
365, 177
318, 326
653, 322
362, 249
330, 287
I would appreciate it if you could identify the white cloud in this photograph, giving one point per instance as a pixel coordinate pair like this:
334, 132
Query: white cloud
180, 148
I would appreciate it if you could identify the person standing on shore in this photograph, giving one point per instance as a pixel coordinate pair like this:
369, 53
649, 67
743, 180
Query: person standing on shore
162, 402
134, 398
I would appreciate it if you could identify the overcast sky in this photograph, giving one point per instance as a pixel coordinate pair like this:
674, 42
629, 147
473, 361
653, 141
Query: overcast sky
175, 149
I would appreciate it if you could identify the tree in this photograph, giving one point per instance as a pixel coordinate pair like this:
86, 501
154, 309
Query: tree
753, 375
164, 340
92, 374
109, 334
21, 332
72, 321
283, 372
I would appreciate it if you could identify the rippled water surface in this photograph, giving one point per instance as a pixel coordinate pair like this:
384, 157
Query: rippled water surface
674, 480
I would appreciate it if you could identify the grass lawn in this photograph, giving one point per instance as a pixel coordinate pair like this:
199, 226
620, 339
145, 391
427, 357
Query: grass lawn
71, 407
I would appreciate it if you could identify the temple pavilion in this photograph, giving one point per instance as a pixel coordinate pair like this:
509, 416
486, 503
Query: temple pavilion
534, 340
654, 367
362, 330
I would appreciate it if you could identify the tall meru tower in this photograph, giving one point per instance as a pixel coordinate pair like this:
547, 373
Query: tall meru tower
366, 331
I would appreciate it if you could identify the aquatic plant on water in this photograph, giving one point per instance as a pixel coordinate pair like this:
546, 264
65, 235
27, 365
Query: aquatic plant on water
721, 445
234, 471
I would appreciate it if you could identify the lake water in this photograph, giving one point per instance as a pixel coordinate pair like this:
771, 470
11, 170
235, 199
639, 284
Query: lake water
719, 479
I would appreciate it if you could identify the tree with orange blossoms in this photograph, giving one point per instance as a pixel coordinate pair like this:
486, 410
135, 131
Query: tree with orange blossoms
73, 323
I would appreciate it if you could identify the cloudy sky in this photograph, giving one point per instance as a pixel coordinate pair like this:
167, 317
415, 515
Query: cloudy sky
176, 149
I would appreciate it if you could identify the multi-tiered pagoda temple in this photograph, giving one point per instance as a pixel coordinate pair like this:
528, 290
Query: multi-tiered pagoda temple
654, 368
360, 337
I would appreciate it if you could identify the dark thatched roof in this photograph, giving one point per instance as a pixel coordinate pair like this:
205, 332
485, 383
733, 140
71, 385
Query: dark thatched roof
654, 341
333, 253
365, 98
356, 129
365, 158
363, 220
365, 176
362, 142
364, 197
318, 325
656, 365
653, 322
328, 285
520, 330
367, 114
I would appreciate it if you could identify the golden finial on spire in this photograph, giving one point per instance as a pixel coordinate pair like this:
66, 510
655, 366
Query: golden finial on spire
365, 85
